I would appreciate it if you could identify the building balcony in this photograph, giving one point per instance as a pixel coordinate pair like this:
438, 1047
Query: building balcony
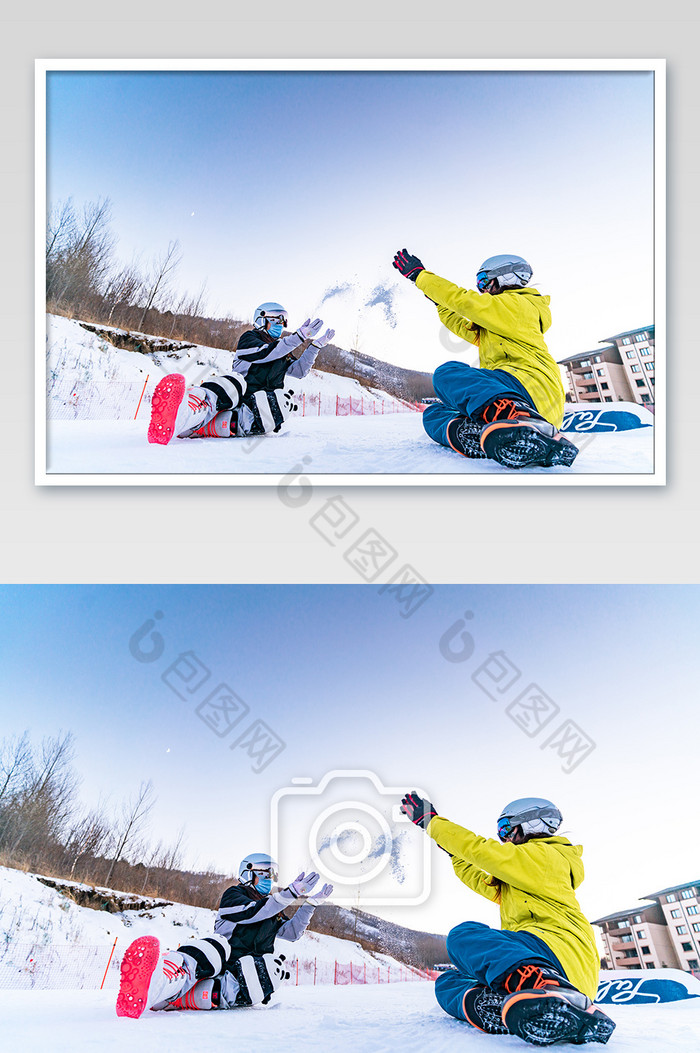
576, 370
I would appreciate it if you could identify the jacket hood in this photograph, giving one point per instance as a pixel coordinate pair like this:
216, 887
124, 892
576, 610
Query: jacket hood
539, 302
571, 853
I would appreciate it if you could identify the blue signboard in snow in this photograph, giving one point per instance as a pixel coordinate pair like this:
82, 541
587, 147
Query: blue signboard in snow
597, 417
644, 987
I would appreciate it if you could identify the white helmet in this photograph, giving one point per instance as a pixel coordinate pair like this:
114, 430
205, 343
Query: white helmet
254, 863
268, 310
507, 270
534, 815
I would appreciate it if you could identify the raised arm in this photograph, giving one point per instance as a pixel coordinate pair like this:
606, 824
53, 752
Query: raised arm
502, 861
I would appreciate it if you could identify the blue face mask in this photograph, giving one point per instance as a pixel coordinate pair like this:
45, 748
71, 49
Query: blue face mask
276, 330
264, 884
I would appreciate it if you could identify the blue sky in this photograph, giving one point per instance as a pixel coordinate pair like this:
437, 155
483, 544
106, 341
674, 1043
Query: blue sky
282, 185
347, 683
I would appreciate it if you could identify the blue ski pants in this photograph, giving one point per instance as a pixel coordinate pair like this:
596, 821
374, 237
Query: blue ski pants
462, 391
484, 955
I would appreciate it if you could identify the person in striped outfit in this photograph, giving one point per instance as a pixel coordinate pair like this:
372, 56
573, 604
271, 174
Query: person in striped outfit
237, 966
511, 408
250, 400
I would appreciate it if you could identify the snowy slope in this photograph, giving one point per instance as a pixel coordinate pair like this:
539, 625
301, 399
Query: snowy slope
90, 379
379, 1019
37, 922
94, 391
373, 1018
379, 445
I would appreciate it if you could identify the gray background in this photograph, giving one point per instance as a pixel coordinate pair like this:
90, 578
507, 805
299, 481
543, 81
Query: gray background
484, 534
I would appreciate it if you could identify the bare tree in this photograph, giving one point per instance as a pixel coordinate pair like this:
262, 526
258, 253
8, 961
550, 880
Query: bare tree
171, 857
79, 252
15, 765
162, 274
188, 310
165, 861
46, 800
86, 836
134, 815
60, 229
123, 290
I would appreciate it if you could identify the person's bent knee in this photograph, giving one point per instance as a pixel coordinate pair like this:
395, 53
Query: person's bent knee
447, 367
460, 933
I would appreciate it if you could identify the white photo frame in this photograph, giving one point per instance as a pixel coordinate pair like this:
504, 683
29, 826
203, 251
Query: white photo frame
458, 474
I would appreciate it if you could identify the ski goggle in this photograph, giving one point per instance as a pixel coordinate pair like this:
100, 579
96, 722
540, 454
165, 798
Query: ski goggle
276, 319
482, 280
265, 872
505, 828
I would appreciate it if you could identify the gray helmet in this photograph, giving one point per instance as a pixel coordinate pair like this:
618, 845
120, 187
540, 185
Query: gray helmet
507, 270
270, 309
535, 815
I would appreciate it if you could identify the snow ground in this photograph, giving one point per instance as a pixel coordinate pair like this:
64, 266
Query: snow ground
342, 1019
394, 444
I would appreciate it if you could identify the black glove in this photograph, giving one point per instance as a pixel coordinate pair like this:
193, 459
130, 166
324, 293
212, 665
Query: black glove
418, 810
409, 266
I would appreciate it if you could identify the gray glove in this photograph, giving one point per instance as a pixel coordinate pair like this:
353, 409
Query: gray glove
321, 341
302, 885
309, 329
321, 896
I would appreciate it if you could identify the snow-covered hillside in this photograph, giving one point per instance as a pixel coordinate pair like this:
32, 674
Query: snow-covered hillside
94, 392
88, 378
47, 940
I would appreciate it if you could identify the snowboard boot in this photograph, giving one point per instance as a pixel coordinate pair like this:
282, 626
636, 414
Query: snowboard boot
463, 436
149, 978
222, 426
517, 436
482, 1008
542, 1008
204, 995
176, 411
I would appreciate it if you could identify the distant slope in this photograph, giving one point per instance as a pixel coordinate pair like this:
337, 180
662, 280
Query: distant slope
418, 949
373, 372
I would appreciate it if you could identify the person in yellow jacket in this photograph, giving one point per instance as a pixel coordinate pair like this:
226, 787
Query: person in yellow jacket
511, 408
537, 976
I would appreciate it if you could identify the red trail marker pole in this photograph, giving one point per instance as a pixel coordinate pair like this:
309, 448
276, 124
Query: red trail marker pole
109, 962
142, 394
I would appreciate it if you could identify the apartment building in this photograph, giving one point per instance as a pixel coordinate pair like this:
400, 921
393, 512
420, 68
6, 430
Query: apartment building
680, 905
662, 934
624, 371
638, 939
636, 350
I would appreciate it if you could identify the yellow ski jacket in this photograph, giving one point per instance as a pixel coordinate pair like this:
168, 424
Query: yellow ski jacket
533, 884
509, 331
